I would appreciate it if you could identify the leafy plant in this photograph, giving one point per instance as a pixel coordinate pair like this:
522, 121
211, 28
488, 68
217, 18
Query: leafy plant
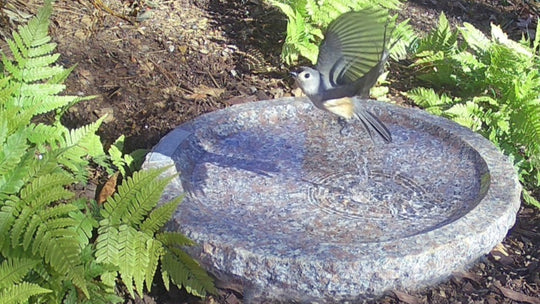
491, 85
131, 239
307, 18
56, 248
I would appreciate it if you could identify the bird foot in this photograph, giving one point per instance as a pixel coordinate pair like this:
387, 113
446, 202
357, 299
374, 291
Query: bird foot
345, 127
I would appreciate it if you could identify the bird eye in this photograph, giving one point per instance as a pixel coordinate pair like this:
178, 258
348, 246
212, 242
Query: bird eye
307, 75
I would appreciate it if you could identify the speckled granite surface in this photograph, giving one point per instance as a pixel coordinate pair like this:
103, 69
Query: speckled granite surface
284, 206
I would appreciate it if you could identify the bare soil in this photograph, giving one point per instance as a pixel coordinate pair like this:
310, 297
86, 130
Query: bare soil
156, 64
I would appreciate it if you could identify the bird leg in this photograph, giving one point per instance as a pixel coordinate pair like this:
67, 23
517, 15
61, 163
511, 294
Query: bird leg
345, 127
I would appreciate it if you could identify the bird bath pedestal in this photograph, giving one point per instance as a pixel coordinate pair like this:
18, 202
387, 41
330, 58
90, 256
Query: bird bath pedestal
285, 208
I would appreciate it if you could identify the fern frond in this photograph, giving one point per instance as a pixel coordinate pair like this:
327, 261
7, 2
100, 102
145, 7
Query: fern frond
128, 249
8, 213
21, 293
83, 141
62, 76
107, 247
403, 39
474, 38
186, 272
122, 206
12, 151
11, 182
35, 33
172, 239
146, 200
13, 270
84, 227
443, 38
61, 210
32, 164
429, 99
46, 189
527, 127
58, 244
155, 251
41, 134
115, 152
160, 216
41, 73
38, 89
466, 115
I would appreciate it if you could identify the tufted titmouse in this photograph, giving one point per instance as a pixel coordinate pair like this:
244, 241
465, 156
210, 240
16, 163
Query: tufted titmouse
351, 58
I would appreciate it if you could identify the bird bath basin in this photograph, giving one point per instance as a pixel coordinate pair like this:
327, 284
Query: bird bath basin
285, 208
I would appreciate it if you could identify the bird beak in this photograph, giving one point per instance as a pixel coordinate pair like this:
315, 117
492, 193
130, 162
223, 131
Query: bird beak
294, 74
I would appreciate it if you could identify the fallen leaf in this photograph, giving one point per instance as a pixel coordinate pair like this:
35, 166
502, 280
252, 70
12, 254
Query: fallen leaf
491, 299
407, 298
516, 296
202, 91
108, 189
459, 275
500, 248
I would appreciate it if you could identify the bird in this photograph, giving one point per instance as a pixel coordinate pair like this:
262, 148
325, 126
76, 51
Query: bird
351, 58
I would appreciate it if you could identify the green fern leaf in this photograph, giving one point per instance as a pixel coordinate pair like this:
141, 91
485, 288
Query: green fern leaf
19, 51
172, 239
85, 137
12, 151
107, 246
441, 39
403, 39
120, 208
41, 73
155, 252
147, 200
39, 89
429, 99
527, 126
6, 91
43, 216
13, 270
134, 258
61, 77
84, 227
8, 213
35, 33
474, 38
186, 272
60, 248
466, 115
11, 182
160, 216
45, 61
81, 143
42, 50
21, 293
46, 189
41, 134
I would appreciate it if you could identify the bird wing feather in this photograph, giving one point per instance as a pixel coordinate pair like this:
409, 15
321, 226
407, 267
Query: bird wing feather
354, 46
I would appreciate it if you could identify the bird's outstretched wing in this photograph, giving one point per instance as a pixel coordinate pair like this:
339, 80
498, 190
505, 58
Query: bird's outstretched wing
354, 47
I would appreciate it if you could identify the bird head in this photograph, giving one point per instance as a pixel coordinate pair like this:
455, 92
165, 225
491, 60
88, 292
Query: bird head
308, 79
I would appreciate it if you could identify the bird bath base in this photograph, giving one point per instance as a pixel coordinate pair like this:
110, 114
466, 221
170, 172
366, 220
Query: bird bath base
285, 208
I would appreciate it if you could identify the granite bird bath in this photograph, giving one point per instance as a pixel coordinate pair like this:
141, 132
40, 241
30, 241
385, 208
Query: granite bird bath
285, 208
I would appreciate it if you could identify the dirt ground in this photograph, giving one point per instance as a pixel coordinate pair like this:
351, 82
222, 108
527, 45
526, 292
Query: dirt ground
156, 64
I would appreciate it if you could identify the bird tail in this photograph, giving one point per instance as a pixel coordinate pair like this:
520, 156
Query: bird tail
371, 123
